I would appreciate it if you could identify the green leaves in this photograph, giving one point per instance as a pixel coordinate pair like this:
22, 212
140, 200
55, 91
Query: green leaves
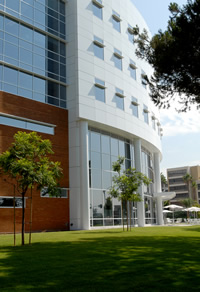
175, 57
126, 183
27, 161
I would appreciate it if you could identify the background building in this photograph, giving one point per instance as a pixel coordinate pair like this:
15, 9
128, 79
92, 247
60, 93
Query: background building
177, 184
80, 56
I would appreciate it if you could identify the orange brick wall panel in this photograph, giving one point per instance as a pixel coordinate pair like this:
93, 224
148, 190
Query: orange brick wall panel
48, 213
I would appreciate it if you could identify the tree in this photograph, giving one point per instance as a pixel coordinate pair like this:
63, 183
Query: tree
163, 181
175, 57
187, 203
126, 184
189, 181
27, 164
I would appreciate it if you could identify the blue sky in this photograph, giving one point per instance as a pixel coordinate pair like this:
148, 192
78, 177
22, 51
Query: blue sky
181, 140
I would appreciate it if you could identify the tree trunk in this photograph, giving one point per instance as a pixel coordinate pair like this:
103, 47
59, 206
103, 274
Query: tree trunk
30, 225
127, 214
130, 214
23, 216
14, 219
122, 214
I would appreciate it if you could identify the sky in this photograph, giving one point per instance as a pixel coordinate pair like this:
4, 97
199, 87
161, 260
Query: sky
181, 131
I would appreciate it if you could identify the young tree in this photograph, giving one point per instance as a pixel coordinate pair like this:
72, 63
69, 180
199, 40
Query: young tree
27, 164
126, 184
189, 181
175, 57
163, 181
187, 203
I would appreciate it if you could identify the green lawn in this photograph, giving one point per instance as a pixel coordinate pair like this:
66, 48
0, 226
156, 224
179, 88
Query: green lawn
145, 259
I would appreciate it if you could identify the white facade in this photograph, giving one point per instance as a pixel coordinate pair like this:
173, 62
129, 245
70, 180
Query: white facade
85, 110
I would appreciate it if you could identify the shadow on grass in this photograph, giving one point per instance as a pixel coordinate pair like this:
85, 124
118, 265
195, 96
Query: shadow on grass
103, 264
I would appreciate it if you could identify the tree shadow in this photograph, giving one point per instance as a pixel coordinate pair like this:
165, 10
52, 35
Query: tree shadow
103, 264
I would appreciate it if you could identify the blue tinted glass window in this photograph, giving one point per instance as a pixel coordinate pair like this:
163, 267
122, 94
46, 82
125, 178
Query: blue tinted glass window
39, 39
1, 22
53, 89
1, 70
98, 51
133, 73
39, 62
118, 62
39, 18
99, 93
25, 80
39, 85
25, 56
53, 4
11, 26
26, 33
134, 106
26, 10
13, 4
97, 10
10, 75
11, 51
119, 102
116, 24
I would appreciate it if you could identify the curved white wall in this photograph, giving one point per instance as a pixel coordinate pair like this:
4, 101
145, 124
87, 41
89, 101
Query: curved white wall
82, 69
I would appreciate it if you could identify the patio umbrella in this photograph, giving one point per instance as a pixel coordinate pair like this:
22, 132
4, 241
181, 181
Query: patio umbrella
193, 209
173, 208
167, 211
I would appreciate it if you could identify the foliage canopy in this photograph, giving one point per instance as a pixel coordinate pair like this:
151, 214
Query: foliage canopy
175, 57
27, 165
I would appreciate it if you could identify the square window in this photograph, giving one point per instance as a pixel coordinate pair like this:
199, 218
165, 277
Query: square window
118, 62
100, 90
143, 79
146, 114
134, 106
97, 9
119, 98
130, 34
116, 21
98, 48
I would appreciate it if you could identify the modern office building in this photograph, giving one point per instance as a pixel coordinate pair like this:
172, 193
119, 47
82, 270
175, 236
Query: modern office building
183, 189
73, 66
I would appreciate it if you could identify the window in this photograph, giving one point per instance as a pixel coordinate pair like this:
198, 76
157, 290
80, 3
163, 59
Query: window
99, 90
18, 122
97, 8
116, 21
134, 104
98, 48
143, 79
153, 121
130, 34
132, 69
119, 98
118, 59
146, 114
63, 193
8, 202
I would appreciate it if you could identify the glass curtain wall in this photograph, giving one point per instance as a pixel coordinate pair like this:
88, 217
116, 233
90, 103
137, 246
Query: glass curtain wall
149, 202
34, 62
104, 149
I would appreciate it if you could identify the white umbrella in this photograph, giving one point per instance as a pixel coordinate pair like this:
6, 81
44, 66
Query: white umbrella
167, 211
173, 207
193, 209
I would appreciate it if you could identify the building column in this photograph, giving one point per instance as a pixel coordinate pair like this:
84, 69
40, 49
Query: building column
84, 176
138, 167
157, 185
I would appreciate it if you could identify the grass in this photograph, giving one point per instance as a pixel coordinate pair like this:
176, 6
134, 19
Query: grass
145, 259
